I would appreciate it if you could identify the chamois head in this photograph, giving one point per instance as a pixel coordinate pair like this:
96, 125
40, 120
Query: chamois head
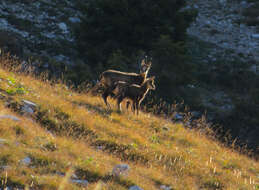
145, 66
151, 83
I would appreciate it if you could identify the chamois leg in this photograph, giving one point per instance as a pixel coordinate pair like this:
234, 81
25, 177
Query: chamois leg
105, 95
119, 100
137, 107
127, 105
132, 105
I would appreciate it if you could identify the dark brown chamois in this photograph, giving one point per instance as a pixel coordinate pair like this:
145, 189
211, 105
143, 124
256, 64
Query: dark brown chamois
110, 77
135, 93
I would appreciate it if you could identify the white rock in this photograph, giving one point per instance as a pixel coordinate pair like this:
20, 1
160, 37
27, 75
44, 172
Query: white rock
29, 103
164, 187
135, 187
3, 23
74, 19
120, 169
2, 140
26, 161
178, 116
9, 117
28, 107
80, 182
63, 27
5, 167
256, 36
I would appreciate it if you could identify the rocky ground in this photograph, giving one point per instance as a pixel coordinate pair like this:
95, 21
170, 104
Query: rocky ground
220, 22
41, 29
45, 29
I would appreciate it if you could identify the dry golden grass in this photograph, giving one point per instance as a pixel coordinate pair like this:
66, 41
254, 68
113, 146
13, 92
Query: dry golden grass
75, 133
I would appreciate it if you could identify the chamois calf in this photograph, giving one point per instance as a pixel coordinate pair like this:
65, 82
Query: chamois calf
135, 93
110, 77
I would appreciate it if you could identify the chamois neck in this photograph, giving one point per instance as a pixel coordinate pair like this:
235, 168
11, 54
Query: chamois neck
144, 87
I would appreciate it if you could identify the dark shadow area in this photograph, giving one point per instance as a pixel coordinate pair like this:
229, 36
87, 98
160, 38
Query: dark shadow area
104, 112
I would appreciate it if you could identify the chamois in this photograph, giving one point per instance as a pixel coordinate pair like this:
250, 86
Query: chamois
110, 77
136, 93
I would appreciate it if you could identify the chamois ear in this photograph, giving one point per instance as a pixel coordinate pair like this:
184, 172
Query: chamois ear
143, 62
152, 78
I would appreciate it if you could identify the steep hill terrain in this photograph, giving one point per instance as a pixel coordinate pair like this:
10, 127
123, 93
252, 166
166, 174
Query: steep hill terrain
54, 138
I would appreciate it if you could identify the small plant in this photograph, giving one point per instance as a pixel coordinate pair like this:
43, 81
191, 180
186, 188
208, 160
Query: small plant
17, 90
134, 145
50, 146
11, 80
18, 130
154, 139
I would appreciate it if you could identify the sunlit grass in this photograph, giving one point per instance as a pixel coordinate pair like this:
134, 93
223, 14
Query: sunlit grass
158, 152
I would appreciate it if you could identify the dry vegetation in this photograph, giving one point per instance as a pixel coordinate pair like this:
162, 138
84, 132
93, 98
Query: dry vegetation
72, 133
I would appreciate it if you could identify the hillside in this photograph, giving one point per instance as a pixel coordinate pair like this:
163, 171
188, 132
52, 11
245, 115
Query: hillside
54, 138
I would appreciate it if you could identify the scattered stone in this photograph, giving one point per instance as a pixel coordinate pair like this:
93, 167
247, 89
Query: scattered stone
100, 147
2, 142
256, 36
80, 181
222, 2
29, 103
63, 27
5, 167
74, 176
28, 107
164, 187
9, 117
121, 169
178, 116
74, 19
26, 161
135, 187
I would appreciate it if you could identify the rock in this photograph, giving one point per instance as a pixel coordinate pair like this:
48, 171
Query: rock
178, 116
135, 187
3, 23
63, 27
74, 19
31, 104
243, 4
2, 142
253, 68
26, 161
222, 2
9, 117
256, 36
5, 167
80, 181
28, 107
120, 169
164, 187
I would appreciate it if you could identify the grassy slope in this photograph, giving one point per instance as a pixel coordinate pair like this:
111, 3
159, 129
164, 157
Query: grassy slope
74, 133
